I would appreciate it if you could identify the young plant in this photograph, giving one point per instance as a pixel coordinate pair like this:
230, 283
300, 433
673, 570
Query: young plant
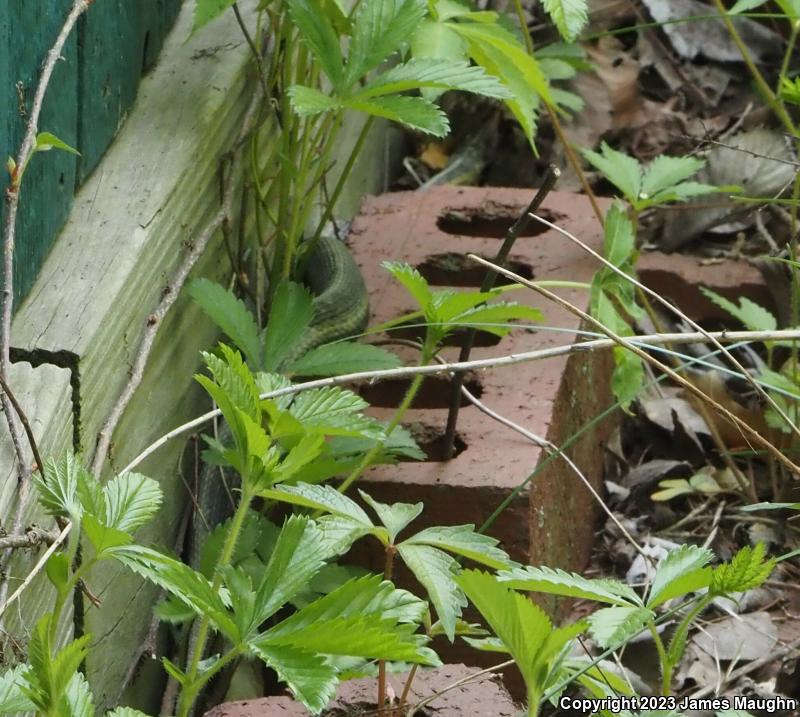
682, 572
444, 311
523, 630
428, 554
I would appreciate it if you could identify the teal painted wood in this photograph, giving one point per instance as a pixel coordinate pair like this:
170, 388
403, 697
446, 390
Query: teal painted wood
90, 94
49, 182
118, 41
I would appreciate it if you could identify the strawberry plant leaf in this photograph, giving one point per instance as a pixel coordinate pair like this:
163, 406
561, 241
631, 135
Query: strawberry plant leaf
682, 571
569, 16
559, 582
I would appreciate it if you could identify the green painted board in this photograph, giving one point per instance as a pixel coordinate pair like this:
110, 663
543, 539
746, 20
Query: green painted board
118, 41
91, 92
49, 182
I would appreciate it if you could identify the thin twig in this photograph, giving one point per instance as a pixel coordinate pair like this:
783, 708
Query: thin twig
169, 295
675, 310
29, 539
25, 423
550, 179
508, 360
632, 347
60, 538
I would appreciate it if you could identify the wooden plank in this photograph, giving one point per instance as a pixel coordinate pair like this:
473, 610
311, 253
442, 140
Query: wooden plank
45, 395
161, 16
50, 179
111, 45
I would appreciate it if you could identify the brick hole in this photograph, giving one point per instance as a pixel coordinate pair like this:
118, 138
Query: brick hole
431, 441
454, 269
414, 332
489, 222
434, 393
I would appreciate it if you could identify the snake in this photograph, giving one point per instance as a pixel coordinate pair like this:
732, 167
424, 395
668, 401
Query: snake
340, 310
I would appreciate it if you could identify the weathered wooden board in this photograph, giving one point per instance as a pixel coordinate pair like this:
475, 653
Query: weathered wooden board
45, 395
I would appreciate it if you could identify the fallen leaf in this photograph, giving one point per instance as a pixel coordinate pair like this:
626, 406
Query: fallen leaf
747, 637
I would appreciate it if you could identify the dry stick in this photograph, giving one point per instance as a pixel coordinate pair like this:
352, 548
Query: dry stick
550, 179
26, 151
675, 310
29, 539
625, 343
433, 369
169, 296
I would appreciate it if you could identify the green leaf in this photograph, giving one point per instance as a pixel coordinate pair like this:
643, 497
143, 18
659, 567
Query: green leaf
441, 74
298, 555
569, 16
436, 571
380, 27
394, 517
559, 582
309, 677
612, 626
334, 411
619, 242
231, 316
12, 691
623, 171
58, 487
308, 101
299, 456
78, 697
131, 501
320, 37
343, 357
45, 141
414, 112
321, 497
682, 571
436, 40
103, 537
745, 6
463, 540
207, 10
746, 570
492, 317
235, 386
125, 712
289, 318
752, 316
57, 570
412, 280
179, 580
665, 172
686, 190
628, 377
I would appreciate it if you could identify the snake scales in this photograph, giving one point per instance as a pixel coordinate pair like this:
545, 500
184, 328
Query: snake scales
341, 310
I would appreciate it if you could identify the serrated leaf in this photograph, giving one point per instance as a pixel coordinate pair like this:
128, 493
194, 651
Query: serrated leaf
623, 171
231, 316
414, 112
125, 712
678, 574
334, 411
12, 695
436, 571
752, 316
394, 517
746, 570
321, 497
309, 101
174, 611
78, 697
298, 555
463, 540
380, 27
436, 40
569, 16
290, 316
45, 141
207, 10
612, 626
58, 487
686, 190
131, 501
619, 243
491, 317
665, 172
344, 357
433, 73
320, 37
558, 582
412, 280
102, 537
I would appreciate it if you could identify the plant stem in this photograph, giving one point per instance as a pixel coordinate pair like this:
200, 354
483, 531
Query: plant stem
769, 96
666, 676
405, 404
387, 575
193, 683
